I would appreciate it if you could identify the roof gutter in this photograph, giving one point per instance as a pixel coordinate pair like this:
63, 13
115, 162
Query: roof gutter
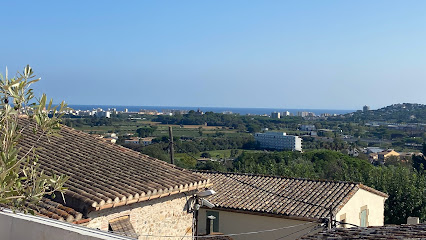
306, 219
155, 194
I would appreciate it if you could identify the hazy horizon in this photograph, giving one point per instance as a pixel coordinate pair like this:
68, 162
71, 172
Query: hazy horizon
195, 106
238, 54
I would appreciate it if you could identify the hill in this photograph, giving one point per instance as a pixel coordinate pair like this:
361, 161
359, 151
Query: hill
397, 113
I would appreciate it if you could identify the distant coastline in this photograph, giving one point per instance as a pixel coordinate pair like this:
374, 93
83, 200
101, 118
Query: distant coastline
241, 111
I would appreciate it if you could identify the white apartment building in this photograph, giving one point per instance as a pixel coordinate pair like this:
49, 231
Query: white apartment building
101, 113
285, 114
279, 141
275, 115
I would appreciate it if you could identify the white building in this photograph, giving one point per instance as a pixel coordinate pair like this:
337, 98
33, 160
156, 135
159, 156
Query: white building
133, 140
305, 114
307, 128
101, 113
275, 115
286, 114
146, 141
279, 141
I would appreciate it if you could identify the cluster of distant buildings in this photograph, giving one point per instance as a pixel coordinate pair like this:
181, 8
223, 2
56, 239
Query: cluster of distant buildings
139, 141
304, 114
112, 137
98, 112
378, 155
398, 126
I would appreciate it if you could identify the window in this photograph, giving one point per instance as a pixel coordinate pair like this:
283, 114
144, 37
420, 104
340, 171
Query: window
215, 222
343, 220
363, 217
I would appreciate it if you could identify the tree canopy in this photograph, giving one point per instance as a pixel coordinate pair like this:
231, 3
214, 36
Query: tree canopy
21, 181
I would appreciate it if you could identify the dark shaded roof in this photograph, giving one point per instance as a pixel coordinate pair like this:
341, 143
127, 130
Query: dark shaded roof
291, 197
51, 209
383, 232
122, 226
102, 174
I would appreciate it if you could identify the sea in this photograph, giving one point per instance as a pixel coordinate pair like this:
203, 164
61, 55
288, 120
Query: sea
241, 111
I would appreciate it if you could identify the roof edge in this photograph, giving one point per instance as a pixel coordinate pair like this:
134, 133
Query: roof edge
242, 211
151, 196
372, 190
274, 176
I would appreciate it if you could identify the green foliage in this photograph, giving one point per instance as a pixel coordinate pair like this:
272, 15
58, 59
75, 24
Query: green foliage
88, 121
21, 180
211, 166
146, 131
419, 162
405, 112
158, 150
406, 189
242, 123
186, 162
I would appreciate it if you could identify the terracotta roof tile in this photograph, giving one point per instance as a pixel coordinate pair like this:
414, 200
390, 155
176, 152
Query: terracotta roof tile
103, 174
292, 197
122, 226
383, 232
51, 209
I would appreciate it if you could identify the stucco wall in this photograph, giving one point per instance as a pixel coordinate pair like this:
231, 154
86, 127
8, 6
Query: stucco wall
162, 216
362, 198
233, 222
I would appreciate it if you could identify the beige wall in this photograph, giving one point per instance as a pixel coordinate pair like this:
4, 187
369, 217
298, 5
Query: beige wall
233, 222
162, 216
374, 203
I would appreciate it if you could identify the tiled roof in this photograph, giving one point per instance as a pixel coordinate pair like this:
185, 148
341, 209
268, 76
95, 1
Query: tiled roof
104, 175
122, 226
384, 232
51, 209
291, 197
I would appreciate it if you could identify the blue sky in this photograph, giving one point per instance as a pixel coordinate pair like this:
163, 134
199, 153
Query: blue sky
278, 54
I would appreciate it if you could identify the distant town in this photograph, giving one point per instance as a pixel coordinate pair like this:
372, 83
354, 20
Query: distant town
276, 131
100, 112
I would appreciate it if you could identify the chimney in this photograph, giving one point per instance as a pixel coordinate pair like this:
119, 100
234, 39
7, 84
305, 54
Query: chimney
413, 220
210, 223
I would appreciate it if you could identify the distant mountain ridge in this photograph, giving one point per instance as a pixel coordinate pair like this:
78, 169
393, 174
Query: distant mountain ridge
398, 113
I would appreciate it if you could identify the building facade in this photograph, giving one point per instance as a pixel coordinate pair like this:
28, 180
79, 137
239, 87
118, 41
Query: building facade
279, 141
275, 115
307, 128
286, 114
293, 206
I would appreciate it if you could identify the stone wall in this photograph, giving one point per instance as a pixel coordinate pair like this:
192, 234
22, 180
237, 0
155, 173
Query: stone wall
159, 217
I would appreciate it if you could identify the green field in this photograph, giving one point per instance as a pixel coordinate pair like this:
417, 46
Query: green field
130, 127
